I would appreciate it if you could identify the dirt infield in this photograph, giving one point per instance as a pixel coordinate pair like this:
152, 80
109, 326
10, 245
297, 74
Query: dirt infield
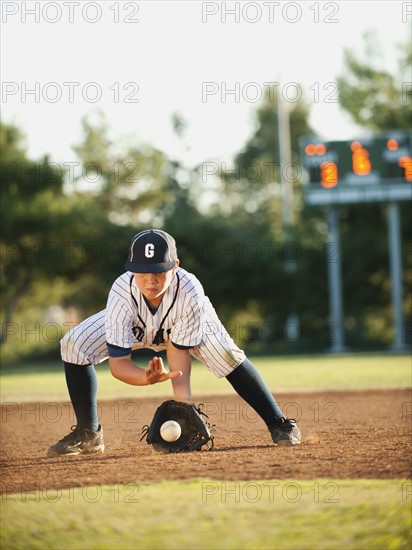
344, 435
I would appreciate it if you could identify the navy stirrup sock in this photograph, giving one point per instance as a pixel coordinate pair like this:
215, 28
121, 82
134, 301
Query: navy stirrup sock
249, 384
82, 385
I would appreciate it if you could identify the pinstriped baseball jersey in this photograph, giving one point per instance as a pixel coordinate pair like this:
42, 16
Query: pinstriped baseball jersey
128, 316
185, 316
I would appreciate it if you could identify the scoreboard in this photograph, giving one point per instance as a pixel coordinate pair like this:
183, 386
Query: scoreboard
368, 169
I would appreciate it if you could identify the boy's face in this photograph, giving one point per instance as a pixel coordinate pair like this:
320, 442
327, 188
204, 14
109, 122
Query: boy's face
154, 285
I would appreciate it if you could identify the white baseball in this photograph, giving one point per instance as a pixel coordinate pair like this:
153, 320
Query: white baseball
170, 431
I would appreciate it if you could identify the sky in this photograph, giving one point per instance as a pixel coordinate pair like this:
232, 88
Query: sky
139, 62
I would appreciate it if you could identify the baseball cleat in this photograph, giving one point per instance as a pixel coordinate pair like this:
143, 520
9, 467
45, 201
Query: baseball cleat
285, 432
79, 440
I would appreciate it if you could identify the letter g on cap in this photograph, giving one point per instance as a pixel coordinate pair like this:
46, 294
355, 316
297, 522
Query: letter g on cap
149, 250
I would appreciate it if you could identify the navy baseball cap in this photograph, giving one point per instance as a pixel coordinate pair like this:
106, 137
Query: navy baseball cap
151, 251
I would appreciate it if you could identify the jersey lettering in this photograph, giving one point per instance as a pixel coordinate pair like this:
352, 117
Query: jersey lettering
149, 250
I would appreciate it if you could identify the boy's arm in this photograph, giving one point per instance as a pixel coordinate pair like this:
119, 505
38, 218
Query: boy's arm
179, 360
124, 369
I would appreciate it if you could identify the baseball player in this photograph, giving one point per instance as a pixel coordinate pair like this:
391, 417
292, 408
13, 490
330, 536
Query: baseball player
158, 305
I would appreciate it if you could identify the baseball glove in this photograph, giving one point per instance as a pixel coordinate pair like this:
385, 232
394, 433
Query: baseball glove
196, 432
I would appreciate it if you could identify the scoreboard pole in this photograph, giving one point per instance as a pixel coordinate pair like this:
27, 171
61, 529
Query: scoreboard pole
333, 259
285, 158
395, 265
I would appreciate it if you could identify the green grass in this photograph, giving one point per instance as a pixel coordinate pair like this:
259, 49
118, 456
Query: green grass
47, 383
206, 514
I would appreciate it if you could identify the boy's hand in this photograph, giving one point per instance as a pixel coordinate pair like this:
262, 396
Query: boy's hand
157, 373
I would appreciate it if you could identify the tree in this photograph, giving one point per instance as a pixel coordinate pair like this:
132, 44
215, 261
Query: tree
31, 195
375, 98
130, 180
255, 243
49, 239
